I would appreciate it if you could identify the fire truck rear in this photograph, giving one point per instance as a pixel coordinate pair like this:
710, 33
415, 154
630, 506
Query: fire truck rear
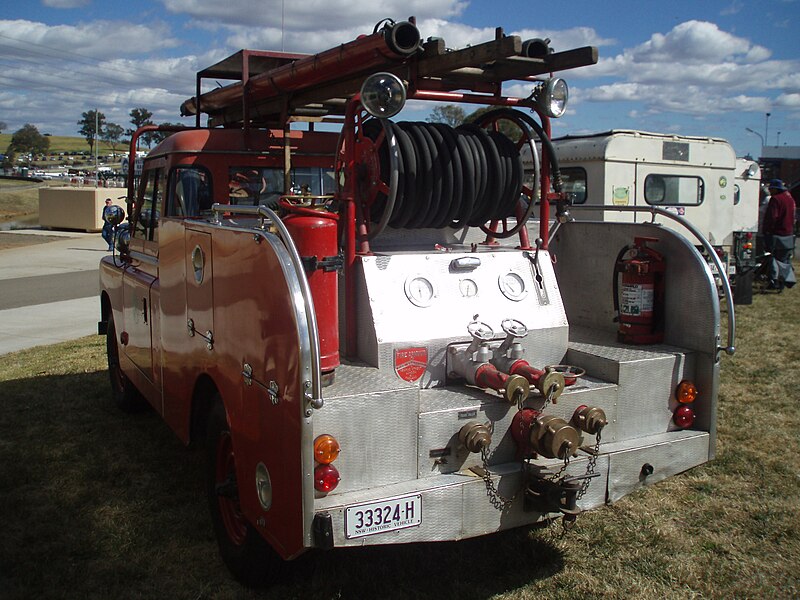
395, 332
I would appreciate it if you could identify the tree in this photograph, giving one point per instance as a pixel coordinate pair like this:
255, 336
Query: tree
507, 127
92, 124
449, 114
3, 126
28, 140
160, 136
112, 135
140, 117
8, 161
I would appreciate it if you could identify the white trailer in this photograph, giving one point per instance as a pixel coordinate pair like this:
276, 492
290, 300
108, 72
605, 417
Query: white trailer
697, 178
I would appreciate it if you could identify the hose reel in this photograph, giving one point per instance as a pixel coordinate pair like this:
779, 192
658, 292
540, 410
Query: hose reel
430, 175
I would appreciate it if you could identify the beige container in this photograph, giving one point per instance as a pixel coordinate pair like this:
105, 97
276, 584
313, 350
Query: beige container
77, 208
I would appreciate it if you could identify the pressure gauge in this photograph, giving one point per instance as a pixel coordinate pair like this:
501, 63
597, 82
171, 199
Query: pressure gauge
468, 288
513, 286
420, 291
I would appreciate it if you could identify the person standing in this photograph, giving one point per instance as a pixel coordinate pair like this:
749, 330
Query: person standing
108, 228
779, 232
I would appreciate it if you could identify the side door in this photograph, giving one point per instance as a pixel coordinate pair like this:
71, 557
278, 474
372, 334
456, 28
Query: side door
140, 289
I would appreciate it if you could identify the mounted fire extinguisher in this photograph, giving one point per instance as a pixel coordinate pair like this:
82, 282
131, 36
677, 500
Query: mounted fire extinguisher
639, 302
314, 231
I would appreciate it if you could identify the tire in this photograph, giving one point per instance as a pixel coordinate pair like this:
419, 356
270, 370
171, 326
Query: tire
245, 553
123, 392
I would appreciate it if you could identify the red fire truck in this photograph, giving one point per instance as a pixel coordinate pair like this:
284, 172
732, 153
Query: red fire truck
387, 332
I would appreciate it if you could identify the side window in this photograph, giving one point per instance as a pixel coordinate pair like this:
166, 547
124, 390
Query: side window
673, 190
252, 186
737, 194
574, 179
189, 192
146, 224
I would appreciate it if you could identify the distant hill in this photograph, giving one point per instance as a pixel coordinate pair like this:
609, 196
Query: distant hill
59, 143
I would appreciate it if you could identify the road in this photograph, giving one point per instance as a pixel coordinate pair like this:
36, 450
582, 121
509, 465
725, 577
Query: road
49, 291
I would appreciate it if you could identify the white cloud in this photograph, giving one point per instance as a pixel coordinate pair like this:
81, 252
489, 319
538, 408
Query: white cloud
696, 42
94, 40
308, 14
788, 100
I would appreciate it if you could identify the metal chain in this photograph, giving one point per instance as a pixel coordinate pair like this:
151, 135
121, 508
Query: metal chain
495, 498
557, 475
590, 466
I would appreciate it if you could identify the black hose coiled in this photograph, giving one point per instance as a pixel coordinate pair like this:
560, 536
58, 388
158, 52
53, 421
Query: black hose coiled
449, 177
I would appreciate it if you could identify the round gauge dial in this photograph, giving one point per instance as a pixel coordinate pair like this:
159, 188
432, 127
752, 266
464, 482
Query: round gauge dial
468, 288
513, 286
420, 291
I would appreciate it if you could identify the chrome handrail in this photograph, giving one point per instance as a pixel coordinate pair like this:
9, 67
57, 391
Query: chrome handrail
308, 302
726, 286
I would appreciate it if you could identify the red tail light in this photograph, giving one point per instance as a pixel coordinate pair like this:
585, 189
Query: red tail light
326, 478
683, 417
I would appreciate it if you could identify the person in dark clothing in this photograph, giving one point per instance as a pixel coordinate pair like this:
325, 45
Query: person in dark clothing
779, 232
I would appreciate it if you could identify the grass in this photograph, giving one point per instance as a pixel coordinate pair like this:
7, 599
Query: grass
20, 198
99, 504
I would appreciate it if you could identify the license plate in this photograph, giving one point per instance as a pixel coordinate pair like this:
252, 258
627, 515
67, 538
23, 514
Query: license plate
382, 515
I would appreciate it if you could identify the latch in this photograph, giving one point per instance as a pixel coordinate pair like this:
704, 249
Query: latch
539, 287
271, 389
208, 336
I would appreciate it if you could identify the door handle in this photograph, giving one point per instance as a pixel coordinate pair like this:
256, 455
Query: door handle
144, 310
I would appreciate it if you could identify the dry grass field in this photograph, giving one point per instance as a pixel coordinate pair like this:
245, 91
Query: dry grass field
99, 504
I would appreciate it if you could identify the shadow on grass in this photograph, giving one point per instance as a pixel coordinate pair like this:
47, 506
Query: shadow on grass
97, 504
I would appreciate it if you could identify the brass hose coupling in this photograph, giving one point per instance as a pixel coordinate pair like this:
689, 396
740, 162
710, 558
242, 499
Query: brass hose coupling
475, 436
553, 437
589, 419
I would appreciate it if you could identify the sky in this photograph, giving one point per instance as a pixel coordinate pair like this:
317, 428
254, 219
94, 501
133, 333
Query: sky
690, 67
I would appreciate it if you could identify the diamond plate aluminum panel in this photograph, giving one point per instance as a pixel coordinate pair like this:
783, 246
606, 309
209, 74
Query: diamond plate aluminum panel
647, 377
440, 450
453, 508
668, 454
586, 254
374, 418
422, 299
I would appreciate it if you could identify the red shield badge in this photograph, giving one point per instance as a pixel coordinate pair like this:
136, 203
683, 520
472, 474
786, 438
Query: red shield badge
410, 363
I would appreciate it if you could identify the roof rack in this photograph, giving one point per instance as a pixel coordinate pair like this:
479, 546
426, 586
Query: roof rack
273, 88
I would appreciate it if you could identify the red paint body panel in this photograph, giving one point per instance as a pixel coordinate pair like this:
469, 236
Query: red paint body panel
240, 298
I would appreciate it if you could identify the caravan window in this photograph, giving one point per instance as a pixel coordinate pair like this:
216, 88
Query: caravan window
673, 190
574, 179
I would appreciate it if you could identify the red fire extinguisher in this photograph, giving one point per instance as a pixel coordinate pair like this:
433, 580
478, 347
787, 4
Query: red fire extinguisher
314, 231
639, 301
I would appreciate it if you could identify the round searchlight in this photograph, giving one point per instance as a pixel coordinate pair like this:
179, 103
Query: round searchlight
383, 95
552, 97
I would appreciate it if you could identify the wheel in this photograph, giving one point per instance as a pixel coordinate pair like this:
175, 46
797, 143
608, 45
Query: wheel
246, 554
518, 179
125, 395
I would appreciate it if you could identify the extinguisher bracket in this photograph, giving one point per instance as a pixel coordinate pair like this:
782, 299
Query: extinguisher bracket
327, 264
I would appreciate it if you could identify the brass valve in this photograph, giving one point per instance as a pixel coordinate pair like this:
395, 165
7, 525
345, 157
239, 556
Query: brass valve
553, 437
590, 419
475, 436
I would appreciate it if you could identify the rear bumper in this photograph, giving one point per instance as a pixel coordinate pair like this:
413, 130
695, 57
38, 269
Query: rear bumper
456, 506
